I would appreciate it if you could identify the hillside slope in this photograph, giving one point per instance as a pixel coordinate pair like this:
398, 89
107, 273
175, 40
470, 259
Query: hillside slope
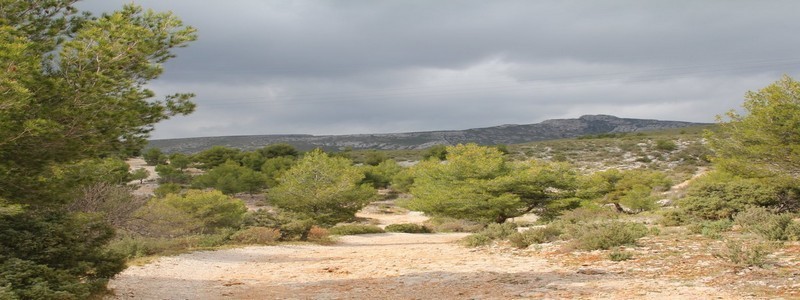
505, 134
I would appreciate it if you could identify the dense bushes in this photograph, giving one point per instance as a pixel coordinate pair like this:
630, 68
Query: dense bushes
768, 225
353, 229
193, 212
407, 228
55, 255
720, 196
532, 236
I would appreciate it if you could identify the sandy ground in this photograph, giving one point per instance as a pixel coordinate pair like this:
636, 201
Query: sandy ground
672, 265
390, 266
384, 266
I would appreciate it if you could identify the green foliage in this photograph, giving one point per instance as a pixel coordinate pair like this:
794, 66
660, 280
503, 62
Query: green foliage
497, 231
718, 195
169, 174
179, 161
215, 156
476, 240
674, 217
325, 189
403, 180
438, 152
534, 236
631, 188
374, 158
274, 167
154, 157
619, 255
445, 224
231, 178
165, 189
666, 145
292, 226
765, 139
257, 235
353, 229
768, 225
55, 255
742, 254
212, 208
252, 160
70, 178
134, 246
407, 228
711, 229
478, 184
74, 89
380, 176
593, 236
279, 150
139, 174
193, 212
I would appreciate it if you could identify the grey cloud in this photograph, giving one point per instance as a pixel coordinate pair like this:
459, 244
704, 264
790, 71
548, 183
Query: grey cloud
328, 67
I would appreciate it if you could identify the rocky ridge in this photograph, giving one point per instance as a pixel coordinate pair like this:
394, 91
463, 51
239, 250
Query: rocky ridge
504, 134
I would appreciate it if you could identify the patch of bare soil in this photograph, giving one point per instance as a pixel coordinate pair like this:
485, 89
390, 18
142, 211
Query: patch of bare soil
388, 266
434, 266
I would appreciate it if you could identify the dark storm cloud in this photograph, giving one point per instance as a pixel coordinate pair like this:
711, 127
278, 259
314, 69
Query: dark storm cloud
390, 66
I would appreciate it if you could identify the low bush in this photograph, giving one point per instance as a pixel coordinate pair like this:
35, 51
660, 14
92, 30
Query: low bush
674, 217
134, 246
607, 235
534, 236
353, 229
476, 240
257, 235
619, 255
497, 231
407, 228
442, 224
741, 254
319, 235
770, 226
711, 229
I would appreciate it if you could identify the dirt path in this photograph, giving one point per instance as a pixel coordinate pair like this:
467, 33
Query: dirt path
382, 266
389, 266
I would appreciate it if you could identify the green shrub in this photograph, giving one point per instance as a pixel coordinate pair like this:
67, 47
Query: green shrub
666, 145
257, 235
534, 236
711, 229
721, 196
607, 235
619, 255
773, 227
352, 229
744, 255
499, 231
674, 217
165, 189
444, 224
407, 228
476, 240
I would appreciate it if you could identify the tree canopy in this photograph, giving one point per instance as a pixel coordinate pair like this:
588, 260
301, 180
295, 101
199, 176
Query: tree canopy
325, 189
477, 183
765, 139
72, 89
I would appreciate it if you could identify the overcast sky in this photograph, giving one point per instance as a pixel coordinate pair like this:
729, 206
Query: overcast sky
345, 67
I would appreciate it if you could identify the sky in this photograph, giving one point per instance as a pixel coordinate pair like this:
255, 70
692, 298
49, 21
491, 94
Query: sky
369, 66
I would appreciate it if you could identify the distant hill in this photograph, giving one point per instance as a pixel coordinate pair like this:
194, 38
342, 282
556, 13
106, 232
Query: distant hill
504, 134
